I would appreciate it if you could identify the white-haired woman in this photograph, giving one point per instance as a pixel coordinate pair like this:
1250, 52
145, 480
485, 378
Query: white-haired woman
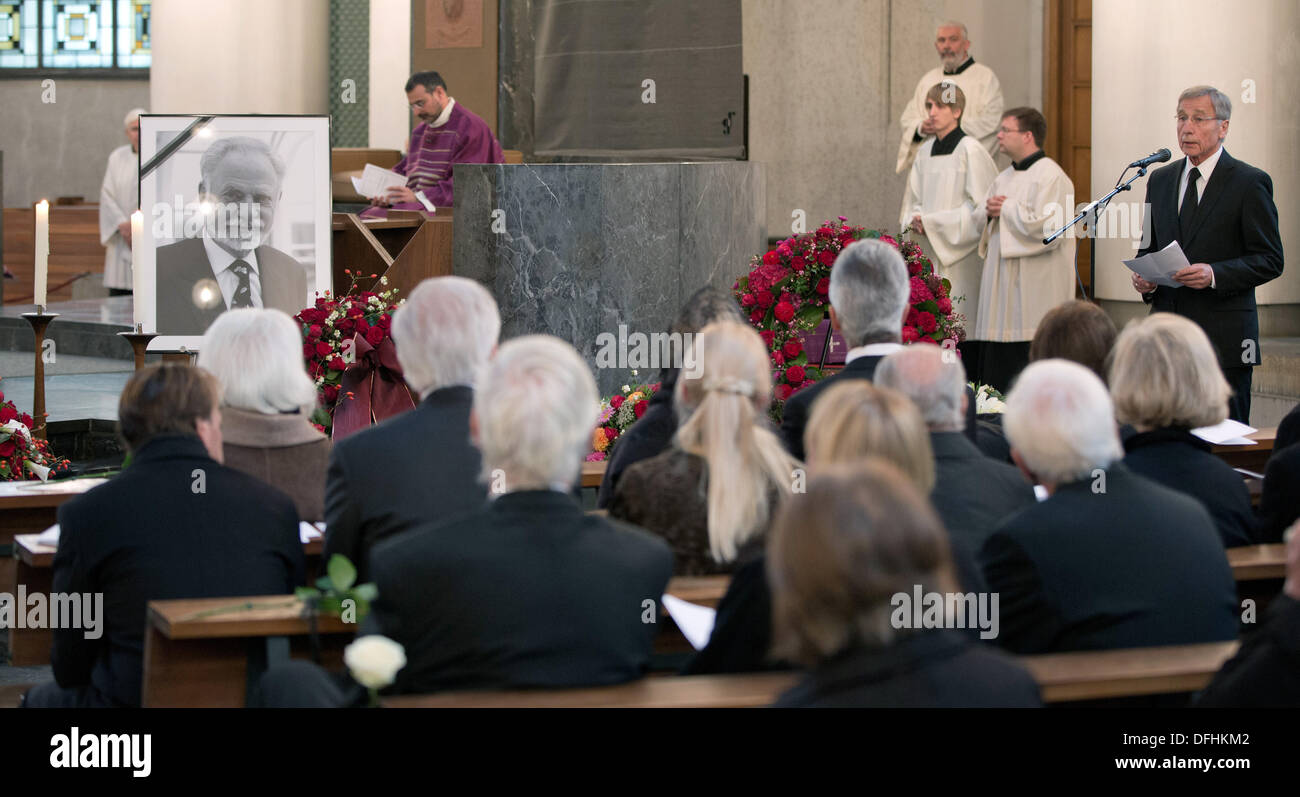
266, 405
714, 491
1165, 381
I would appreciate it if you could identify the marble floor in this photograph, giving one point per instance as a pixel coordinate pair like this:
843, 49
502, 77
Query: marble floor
75, 387
115, 310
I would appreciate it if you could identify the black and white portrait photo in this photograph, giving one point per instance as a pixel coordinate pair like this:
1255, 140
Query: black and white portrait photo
236, 214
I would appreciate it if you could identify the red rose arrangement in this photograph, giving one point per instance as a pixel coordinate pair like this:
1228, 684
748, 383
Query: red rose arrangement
329, 331
785, 296
23, 456
617, 413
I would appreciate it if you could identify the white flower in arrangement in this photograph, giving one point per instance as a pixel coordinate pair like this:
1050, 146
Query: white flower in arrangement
374, 661
987, 401
627, 388
17, 428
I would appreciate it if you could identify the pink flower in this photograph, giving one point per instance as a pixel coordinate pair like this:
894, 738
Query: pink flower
910, 335
945, 306
784, 312
927, 322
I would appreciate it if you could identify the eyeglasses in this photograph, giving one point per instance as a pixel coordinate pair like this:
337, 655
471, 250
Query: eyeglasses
1004, 130
1196, 120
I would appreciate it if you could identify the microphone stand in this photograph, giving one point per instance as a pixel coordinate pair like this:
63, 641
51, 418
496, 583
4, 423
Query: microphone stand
1095, 209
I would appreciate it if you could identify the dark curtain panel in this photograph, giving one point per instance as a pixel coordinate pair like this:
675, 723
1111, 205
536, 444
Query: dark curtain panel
592, 59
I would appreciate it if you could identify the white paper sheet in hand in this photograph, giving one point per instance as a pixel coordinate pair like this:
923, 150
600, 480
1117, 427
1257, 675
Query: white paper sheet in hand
1228, 433
375, 181
1158, 267
695, 621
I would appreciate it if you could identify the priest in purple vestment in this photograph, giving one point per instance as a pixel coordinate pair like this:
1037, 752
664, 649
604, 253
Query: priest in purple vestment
448, 133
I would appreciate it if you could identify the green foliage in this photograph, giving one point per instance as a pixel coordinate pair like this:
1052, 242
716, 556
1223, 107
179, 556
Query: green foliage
339, 585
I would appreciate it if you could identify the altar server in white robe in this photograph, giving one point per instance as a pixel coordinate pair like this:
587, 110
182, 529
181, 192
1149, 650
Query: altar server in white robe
978, 82
119, 196
1023, 279
944, 202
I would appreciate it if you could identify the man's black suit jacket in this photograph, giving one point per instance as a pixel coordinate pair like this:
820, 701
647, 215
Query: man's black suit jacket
417, 467
1265, 673
1279, 506
174, 524
972, 493
932, 669
528, 591
183, 264
1124, 564
1235, 230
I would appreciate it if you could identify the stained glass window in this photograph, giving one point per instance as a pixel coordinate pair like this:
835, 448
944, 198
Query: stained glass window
19, 41
75, 34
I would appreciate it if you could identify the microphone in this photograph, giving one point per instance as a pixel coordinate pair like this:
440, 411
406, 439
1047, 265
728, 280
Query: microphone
1159, 156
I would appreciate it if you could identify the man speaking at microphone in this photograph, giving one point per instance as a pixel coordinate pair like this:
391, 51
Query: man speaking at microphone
1221, 212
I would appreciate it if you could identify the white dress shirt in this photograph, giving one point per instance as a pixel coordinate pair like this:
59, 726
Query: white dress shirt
1206, 168
228, 280
871, 350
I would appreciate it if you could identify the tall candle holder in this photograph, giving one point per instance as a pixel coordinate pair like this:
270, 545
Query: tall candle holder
139, 340
39, 321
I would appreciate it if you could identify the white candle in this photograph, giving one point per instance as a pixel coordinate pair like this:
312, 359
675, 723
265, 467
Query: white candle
42, 251
137, 279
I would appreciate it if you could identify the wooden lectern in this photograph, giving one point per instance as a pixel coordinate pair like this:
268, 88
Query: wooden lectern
407, 247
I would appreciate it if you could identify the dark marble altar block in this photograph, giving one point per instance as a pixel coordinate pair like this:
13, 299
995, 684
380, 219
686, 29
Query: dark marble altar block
576, 250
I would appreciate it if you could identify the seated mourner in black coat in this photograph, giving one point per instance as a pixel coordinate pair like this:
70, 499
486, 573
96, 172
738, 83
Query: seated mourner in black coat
527, 592
1134, 565
932, 669
1111, 559
176, 523
973, 493
1266, 670
1182, 461
415, 467
1279, 506
419, 466
1165, 381
846, 560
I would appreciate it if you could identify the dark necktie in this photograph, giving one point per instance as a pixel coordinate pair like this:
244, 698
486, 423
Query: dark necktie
244, 291
1188, 209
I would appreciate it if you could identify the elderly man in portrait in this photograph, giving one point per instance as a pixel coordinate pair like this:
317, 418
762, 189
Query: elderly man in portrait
1220, 211
229, 265
983, 96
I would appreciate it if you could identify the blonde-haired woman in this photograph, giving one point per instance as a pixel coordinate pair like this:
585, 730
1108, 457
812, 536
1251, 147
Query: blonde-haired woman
266, 404
712, 494
1165, 381
858, 420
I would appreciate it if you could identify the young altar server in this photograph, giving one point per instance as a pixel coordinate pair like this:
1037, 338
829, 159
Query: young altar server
943, 205
1023, 279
